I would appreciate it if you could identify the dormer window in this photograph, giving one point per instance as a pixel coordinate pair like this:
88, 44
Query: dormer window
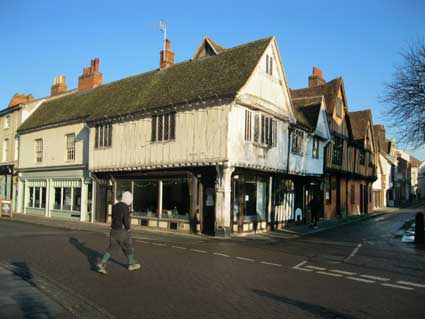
269, 65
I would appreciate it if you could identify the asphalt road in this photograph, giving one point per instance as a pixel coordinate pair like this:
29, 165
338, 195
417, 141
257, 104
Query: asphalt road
360, 270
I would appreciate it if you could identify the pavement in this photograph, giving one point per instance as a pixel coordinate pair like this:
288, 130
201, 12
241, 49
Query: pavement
290, 231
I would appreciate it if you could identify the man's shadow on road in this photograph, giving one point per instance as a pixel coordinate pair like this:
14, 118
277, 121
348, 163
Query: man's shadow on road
93, 256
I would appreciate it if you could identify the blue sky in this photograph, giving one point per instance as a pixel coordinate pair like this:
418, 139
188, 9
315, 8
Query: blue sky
359, 40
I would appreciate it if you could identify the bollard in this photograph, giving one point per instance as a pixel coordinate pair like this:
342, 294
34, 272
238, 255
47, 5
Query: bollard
419, 229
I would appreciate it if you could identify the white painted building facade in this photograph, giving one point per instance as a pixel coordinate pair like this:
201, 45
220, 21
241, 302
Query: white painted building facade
53, 173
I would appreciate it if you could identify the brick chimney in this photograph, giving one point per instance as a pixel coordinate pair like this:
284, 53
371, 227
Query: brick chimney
20, 98
59, 85
167, 59
91, 76
316, 78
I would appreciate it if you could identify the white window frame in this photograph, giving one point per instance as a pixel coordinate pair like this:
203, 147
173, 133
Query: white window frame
264, 129
315, 148
5, 149
16, 155
298, 141
269, 65
38, 148
70, 147
7, 122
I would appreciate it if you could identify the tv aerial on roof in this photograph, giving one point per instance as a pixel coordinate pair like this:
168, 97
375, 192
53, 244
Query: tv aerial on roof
163, 29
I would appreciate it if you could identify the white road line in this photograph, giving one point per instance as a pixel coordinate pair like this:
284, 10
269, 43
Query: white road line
222, 255
142, 241
375, 278
199, 251
243, 258
328, 273
397, 286
270, 264
159, 244
303, 269
315, 268
299, 265
348, 273
354, 252
362, 280
408, 283
178, 247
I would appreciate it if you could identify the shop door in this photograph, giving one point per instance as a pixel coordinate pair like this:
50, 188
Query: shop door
338, 197
361, 199
101, 204
366, 199
208, 217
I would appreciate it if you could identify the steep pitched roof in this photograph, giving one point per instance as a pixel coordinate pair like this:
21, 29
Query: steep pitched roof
215, 76
307, 110
329, 90
359, 122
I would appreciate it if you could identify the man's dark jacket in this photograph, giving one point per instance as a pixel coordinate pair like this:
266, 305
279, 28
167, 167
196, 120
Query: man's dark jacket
120, 216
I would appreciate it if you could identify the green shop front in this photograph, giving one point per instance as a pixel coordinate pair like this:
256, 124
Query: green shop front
59, 193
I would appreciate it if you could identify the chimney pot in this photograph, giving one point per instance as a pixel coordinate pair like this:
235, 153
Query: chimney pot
316, 78
59, 86
166, 58
91, 76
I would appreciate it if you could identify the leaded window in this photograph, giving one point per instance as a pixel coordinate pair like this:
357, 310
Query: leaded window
103, 135
163, 127
337, 151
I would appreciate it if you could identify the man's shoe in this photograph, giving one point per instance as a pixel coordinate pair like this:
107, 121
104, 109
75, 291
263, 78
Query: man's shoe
101, 268
134, 267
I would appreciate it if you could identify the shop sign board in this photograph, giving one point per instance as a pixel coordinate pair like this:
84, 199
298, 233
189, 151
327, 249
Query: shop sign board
6, 208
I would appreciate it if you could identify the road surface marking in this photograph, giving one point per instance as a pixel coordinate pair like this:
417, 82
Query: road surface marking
375, 278
159, 244
142, 241
348, 273
178, 247
354, 252
223, 255
300, 264
315, 268
397, 286
303, 269
408, 283
328, 273
380, 218
362, 280
270, 264
199, 251
243, 258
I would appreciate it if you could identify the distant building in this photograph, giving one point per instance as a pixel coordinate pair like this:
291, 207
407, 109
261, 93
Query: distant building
350, 160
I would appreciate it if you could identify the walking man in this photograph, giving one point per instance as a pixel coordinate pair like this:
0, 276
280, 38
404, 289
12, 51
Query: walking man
120, 234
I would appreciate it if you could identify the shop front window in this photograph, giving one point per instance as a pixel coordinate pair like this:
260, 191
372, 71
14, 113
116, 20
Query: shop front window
175, 198
123, 186
254, 197
31, 197
37, 197
43, 197
145, 197
67, 198
58, 198
76, 202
